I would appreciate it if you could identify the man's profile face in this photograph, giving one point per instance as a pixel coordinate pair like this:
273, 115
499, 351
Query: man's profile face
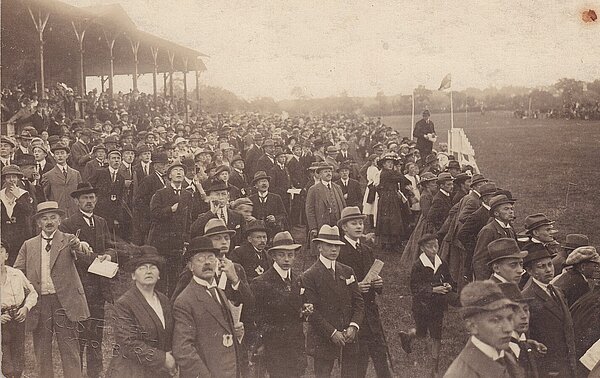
510, 269
545, 233
505, 212
493, 327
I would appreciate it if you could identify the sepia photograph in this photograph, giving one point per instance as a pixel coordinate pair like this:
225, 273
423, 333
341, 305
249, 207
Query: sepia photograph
287, 189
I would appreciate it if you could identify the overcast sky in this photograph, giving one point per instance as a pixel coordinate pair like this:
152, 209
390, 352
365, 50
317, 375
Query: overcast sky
266, 48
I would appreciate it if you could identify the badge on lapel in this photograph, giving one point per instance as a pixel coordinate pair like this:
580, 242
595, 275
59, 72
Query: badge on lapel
301, 291
259, 270
227, 340
113, 197
350, 280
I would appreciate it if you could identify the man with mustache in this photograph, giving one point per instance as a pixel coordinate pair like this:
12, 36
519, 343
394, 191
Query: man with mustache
252, 255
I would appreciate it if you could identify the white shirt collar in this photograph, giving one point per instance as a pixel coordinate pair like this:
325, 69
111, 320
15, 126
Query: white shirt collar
282, 273
502, 224
326, 183
486, 206
488, 350
89, 215
127, 165
353, 243
263, 195
445, 192
204, 283
112, 170
51, 236
500, 278
427, 262
514, 346
476, 192
329, 264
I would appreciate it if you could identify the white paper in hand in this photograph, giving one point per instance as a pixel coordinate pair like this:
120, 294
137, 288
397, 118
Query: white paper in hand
592, 356
104, 268
374, 271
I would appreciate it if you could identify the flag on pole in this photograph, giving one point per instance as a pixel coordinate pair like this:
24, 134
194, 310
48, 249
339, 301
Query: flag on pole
446, 82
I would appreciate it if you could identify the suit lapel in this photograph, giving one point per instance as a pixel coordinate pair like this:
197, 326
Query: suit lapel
547, 301
37, 255
58, 243
211, 306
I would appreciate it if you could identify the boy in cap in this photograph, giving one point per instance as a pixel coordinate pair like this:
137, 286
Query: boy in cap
279, 311
431, 286
488, 317
332, 288
358, 255
583, 266
551, 322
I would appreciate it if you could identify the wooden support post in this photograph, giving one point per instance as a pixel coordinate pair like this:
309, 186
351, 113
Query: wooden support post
110, 42
40, 25
165, 84
185, 98
172, 61
135, 46
154, 51
79, 30
197, 92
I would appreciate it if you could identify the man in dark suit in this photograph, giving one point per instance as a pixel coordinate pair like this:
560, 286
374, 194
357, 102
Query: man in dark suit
7, 146
126, 170
267, 161
93, 230
356, 254
279, 311
501, 208
506, 260
80, 150
551, 322
583, 267
99, 152
193, 186
298, 178
350, 187
280, 179
41, 160
48, 261
143, 168
441, 204
237, 176
170, 211
31, 179
540, 230
251, 255
332, 289
143, 195
206, 339
217, 193
111, 194
324, 201
268, 206
253, 154
424, 133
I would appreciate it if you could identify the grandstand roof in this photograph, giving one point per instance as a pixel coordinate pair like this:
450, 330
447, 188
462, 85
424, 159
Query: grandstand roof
61, 49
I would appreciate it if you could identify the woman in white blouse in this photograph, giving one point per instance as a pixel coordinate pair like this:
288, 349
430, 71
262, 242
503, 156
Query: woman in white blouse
18, 297
143, 323
371, 198
412, 175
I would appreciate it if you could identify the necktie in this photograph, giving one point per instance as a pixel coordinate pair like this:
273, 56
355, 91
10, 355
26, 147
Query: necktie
113, 176
145, 168
48, 244
553, 294
222, 215
329, 186
90, 220
288, 283
215, 295
39, 168
65, 172
263, 199
358, 247
332, 272
177, 191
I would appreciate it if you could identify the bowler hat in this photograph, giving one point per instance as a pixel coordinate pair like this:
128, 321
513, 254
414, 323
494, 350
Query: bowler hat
83, 188
283, 241
349, 213
499, 200
259, 175
25, 160
329, 235
583, 254
534, 221
573, 241
216, 226
443, 177
60, 146
200, 244
504, 248
536, 251
147, 254
48, 207
478, 178
255, 225
216, 185
11, 169
160, 157
461, 177
513, 293
483, 296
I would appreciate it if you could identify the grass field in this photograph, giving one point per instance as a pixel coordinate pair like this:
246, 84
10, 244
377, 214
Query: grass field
538, 160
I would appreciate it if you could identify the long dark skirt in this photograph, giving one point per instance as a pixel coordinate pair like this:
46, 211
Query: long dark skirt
393, 218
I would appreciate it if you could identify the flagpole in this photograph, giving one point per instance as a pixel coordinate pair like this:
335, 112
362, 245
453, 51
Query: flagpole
412, 118
451, 111
466, 113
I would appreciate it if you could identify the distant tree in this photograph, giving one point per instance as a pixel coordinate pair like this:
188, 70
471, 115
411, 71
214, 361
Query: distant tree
422, 97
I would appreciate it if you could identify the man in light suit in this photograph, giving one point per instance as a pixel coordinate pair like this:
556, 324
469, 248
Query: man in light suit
206, 342
501, 208
48, 261
61, 180
332, 289
324, 201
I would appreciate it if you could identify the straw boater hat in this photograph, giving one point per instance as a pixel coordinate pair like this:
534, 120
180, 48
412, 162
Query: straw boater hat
216, 226
200, 244
504, 248
8, 140
283, 241
147, 255
483, 296
329, 235
83, 188
48, 207
349, 213
583, 254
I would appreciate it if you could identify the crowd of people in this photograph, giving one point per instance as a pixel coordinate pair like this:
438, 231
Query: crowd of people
200, 214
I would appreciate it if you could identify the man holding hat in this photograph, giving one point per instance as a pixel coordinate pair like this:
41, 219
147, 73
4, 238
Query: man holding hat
251, 255
502, 210
489, 319
170, 211
206, 342
582, 267
99, 152
61, 180
358, 255
48, 261
424, 133
111, 195
268, 206
506, 260
93, 229
279, 311
551, 322
332, 289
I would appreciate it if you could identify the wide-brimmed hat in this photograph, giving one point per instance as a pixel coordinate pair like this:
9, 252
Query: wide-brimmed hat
489, 188
25, 160
200, 244
48, 207
222, 168
321, 165
236, 158
534, 221
499, 200
160, 157
391, 156
443, 177
11, 169
60, 146
478, 178
83, 188
255, 225
504, 248
216, 226
583, 254
259, 175
283, 241
536, 251
573, 241
147, 255
129, 147
8, 140
461, 177
349, 213
512, 292
99, 147
427, 177
483, 296
329, 235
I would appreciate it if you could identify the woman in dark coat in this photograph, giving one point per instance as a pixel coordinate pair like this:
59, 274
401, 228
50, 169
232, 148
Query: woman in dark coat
393, 214
143, 324
16, 209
